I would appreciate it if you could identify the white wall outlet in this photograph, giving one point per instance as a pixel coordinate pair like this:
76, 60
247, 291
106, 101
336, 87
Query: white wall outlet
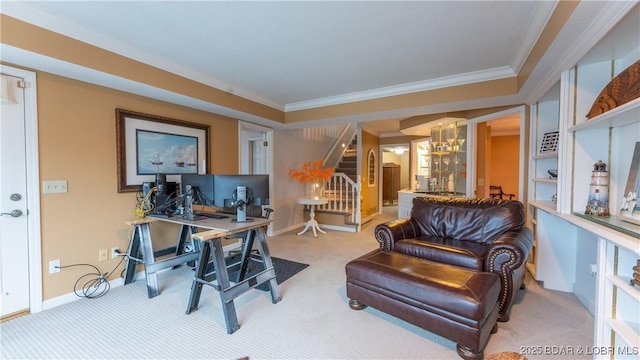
115, 251
54, 266
102, 255
54, 186
593, 268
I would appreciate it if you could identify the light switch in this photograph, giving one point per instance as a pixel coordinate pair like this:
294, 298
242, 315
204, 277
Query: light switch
54, 186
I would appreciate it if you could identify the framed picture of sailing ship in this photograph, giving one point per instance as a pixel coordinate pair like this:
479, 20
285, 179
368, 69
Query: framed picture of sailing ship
158, 152
150, 144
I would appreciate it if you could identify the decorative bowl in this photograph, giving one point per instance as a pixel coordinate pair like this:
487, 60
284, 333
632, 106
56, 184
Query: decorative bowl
553, 173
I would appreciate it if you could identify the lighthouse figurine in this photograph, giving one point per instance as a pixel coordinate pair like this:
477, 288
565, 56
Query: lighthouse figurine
598, 204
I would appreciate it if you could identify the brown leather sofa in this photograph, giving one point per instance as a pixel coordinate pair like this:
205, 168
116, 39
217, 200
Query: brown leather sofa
486, 235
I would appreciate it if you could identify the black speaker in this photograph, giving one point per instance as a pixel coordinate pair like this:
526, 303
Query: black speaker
161, 184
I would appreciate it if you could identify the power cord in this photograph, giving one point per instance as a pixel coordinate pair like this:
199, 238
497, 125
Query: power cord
96, 283
144, 205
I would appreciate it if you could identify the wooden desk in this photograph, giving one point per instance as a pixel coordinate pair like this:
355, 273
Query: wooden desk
208, 243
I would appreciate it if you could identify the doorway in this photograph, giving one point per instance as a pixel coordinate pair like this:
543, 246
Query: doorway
498, 148
395, 174
256, 154
20, 248
255, 149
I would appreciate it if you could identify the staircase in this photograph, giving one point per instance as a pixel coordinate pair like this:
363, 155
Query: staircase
342, 212
348, 164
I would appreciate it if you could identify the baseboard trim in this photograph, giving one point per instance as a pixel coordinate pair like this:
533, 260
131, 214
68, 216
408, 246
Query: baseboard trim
584, 300
352, 229
289, 228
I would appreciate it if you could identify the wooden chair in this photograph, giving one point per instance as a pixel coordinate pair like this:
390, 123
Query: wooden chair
495, 192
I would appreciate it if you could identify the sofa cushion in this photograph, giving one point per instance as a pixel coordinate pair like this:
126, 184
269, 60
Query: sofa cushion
467, 254
478, 220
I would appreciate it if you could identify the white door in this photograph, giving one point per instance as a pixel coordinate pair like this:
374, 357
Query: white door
14, 241
259, 158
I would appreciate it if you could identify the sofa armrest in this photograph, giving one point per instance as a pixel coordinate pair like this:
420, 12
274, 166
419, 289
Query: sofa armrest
509, 251
388, 233
507, 257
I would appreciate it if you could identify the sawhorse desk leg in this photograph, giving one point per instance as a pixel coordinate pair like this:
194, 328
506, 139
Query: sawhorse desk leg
263, 247
222, 277
212, 246
141, 240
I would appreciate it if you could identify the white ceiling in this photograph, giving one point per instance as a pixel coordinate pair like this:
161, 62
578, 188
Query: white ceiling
294, 55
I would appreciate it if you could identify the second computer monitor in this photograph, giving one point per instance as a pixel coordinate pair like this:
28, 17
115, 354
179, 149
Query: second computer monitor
202, 188
225, 185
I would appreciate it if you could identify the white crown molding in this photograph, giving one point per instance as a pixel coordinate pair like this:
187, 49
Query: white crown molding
22, 11
604, 16
443, 82
542, 13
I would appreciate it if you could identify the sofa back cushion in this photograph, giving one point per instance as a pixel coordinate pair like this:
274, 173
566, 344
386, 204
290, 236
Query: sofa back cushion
478, 220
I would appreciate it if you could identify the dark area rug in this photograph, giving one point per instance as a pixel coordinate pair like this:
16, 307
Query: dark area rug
285, 269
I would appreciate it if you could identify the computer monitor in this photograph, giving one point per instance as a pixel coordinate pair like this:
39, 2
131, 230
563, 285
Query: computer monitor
202, 188
257, 188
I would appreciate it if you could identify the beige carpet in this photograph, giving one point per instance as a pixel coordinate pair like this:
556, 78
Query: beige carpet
313, 320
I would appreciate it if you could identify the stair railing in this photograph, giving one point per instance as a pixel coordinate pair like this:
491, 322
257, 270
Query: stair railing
344, 196
335, 153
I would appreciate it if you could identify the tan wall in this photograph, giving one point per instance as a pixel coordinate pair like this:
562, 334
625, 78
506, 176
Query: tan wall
505, 155
483, 160
77, 142
370, 195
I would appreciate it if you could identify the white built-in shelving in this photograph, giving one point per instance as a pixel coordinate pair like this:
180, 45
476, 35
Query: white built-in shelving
567, 242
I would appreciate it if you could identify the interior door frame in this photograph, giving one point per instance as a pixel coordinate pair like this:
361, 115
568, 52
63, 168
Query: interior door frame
33, 184
380, 166
243, 155
472, 124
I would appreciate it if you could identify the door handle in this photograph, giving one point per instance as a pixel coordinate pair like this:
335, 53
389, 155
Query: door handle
14, 213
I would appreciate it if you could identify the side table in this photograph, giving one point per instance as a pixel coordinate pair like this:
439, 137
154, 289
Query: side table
312, 223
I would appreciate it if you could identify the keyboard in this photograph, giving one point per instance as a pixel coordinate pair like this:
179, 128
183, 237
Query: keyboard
210, 215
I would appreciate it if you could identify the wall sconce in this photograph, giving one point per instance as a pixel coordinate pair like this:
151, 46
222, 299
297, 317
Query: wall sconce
6, 96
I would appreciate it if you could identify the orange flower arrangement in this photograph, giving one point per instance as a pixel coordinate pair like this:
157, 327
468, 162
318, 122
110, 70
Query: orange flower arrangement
311, 172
